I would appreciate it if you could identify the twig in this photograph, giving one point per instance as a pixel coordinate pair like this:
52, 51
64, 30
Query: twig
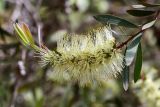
130, 38
33, 11
14, 95
9, 46
3, 31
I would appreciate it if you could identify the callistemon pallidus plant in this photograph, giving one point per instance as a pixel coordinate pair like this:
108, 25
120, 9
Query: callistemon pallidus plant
87, 59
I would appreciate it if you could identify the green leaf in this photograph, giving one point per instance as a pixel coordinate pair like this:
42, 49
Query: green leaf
138, 63
126, 78
25, 36
140, 12
21, 34
149, 24
148, 4
132, 49
105, 19
125, 75
27, 32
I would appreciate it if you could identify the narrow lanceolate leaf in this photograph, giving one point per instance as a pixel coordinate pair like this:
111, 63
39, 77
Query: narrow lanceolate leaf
125, 75
132, 49
138, 63
21, 34
140, 12
148, 4
114, 20
27, 32
149, 24
25, 36
138, 6
126, 78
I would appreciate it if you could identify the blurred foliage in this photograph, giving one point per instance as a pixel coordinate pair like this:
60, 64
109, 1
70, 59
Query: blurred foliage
23, 83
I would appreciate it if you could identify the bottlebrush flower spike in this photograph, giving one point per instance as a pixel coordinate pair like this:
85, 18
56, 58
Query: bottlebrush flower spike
87, 59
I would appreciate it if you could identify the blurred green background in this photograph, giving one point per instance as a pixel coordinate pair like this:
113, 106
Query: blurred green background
23, 83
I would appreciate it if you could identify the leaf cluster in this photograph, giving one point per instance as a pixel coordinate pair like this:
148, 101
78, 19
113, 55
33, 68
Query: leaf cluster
133, 49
